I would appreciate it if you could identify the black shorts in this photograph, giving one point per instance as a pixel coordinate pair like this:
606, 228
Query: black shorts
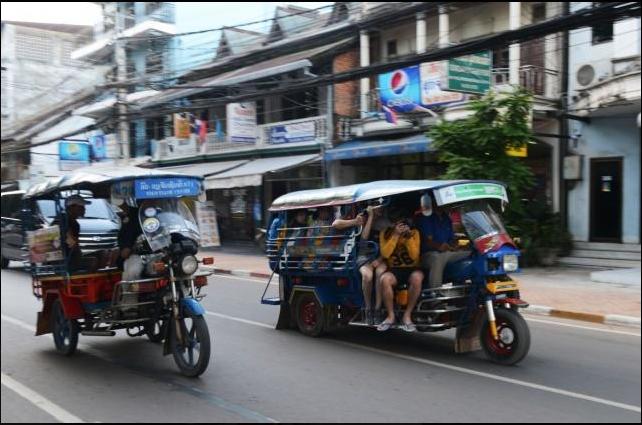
402, 274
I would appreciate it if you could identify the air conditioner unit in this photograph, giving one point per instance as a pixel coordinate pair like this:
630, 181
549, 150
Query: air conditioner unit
585, 75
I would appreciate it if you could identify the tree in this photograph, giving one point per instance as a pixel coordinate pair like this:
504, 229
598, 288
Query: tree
475, 147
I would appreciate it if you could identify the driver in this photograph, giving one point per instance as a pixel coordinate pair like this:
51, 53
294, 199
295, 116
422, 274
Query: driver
75, 207
438, 244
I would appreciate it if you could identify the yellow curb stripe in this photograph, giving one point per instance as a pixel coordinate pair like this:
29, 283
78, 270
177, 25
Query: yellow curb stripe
574, 315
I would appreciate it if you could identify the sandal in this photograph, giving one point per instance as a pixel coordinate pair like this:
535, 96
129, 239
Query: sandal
409, 327
385, 325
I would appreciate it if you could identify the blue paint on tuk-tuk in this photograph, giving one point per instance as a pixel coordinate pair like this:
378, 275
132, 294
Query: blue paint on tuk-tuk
320, 282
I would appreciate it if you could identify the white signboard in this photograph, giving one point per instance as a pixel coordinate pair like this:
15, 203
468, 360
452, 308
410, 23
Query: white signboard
206, 216
291, 133
432, 75
111, 146
241, 122
44, 245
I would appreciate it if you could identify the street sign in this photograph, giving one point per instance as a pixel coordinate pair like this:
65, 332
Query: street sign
469, 191
469, 74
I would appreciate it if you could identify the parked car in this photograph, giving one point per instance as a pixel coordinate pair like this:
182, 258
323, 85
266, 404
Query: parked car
98, 228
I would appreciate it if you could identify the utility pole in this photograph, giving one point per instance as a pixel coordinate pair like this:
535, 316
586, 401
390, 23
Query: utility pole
121, 65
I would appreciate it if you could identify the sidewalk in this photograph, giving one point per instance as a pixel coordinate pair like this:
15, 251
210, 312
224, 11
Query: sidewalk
553, 291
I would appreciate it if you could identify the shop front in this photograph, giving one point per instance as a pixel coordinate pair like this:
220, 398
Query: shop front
240, 195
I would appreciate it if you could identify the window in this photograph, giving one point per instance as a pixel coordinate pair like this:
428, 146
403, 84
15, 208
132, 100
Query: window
35, 47
500, 58
538, 12
602, 33
392, 47
67, 48
152, 6
154, 62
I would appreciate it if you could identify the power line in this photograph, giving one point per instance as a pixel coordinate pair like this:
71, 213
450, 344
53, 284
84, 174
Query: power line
578, 19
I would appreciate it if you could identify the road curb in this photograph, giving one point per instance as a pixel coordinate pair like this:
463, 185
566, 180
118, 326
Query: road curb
607, 319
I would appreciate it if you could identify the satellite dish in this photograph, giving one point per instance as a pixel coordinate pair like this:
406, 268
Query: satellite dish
585, 75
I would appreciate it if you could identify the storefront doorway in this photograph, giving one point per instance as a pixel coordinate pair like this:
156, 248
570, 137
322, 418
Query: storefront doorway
606, 200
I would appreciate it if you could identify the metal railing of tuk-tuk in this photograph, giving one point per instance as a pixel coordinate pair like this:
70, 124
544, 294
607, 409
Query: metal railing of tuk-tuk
319, 249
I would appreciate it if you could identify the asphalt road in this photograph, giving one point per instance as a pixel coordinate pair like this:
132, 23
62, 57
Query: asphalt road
573, 373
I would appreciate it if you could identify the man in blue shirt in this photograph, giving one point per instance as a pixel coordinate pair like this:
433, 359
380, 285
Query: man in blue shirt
438, 245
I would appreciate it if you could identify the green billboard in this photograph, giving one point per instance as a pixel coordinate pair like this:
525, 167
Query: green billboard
469, 74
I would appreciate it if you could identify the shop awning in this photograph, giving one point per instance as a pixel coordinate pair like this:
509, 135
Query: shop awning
105, 106
65, 128
251, 173
265, 69
361, 149
205, 169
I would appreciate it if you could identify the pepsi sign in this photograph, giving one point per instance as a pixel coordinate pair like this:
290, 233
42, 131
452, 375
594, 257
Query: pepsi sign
400, 89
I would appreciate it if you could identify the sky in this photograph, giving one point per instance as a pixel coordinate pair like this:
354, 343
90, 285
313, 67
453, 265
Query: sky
190, 16
193, 16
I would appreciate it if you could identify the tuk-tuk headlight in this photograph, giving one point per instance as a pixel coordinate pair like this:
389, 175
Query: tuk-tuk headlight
189, 264
511, 263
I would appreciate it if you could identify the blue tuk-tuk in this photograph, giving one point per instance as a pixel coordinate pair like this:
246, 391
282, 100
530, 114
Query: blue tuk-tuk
318, 266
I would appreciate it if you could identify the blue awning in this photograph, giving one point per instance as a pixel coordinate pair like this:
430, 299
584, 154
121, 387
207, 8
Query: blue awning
360, 149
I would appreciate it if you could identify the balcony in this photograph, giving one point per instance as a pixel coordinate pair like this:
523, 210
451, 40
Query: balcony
298, 132
540, 81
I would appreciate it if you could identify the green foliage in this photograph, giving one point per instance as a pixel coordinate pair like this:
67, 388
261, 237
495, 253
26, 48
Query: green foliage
475, 148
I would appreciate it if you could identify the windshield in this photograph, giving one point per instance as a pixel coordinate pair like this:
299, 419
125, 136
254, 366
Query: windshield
97, 209
481, 221
160, 218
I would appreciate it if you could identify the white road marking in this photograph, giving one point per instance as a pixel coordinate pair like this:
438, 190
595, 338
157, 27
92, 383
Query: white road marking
525, 312
274, 282
545, 388
238, 409
238, 319
38, 400
590, 328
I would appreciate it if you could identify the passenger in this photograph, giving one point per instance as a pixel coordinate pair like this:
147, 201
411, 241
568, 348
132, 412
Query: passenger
372, 272
438, 242
129, 231
348, 220
298, 222
75, 207
400, 246
321, 225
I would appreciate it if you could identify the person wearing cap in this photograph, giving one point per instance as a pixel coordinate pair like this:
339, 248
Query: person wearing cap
75, 207
400, 247
438, 245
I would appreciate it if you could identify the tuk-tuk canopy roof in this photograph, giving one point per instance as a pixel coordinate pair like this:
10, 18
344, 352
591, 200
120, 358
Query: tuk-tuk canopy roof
99, 179
445, 192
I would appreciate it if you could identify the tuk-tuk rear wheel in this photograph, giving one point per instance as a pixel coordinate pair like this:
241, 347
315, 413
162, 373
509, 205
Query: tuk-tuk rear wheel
309, 315
514, 337
65, 331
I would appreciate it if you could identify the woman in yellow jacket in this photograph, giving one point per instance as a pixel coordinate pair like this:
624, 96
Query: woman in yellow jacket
400, 247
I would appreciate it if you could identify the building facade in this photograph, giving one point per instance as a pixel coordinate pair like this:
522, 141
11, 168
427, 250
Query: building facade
38, 74
603, 170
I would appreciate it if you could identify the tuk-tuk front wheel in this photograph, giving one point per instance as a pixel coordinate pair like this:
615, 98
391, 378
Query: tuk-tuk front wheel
514, 338
191, 350
309, 315
65, 331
